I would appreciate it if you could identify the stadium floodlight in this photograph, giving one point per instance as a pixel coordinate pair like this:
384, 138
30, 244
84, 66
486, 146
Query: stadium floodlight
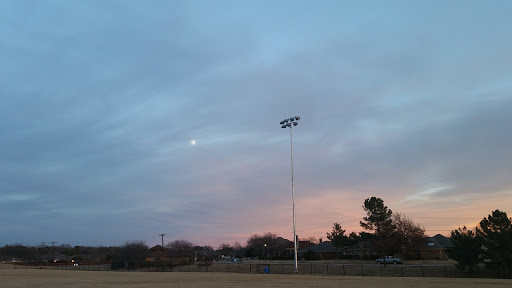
285, 124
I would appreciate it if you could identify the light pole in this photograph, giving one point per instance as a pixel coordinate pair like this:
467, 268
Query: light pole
163, 252
289, 123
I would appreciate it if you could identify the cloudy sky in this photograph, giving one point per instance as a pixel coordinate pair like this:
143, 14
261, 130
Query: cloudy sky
408, 101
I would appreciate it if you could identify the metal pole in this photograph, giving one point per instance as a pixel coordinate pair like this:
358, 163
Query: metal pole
163, 249
293, 204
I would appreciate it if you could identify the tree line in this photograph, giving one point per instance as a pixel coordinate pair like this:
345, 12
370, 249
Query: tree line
135, 253
63, 253
391, 233
490, 244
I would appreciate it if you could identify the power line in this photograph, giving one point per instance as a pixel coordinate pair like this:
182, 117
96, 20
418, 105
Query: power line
329, 225
456, 218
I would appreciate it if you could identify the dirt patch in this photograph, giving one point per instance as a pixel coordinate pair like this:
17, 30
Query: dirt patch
78, 279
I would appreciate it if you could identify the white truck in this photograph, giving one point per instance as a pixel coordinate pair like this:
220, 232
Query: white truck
389, 260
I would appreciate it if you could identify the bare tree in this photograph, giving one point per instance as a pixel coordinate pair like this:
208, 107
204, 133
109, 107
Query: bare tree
225, 250
131, 254
238, 249
237, 246
183, 248
310, 239
225, 246
264, 245
407, 233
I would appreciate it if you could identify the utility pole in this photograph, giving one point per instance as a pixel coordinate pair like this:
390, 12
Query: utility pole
53, 249
163, 252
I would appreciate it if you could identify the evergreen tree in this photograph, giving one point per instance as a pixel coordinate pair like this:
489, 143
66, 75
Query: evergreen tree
466, 250
495, 234
337, 237
378, 219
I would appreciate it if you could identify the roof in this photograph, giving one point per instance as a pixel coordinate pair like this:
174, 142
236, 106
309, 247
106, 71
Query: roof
280, 241
305, 244
156, 248
444, 241
437, 242
325, 246
157, 251
368, 244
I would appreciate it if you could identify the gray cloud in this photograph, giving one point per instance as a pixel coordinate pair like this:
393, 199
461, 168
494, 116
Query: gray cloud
99, 102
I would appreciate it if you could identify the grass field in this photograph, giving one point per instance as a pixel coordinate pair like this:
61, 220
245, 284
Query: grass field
108, 279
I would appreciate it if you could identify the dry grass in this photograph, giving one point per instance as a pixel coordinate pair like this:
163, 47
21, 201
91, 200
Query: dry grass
108, 279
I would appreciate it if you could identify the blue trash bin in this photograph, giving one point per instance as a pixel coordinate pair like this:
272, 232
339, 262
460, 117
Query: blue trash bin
267, 270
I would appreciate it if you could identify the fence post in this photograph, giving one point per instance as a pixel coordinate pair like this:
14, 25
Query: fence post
422, 274
311, 268
445, 271
327, 268
402, 268
343, 266
362, 271
380, 270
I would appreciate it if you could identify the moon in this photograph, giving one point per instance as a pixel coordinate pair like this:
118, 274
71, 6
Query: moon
193, 142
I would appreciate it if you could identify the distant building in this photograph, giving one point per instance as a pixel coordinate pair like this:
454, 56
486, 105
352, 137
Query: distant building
323, 250
433, 248
361, 250
285, 248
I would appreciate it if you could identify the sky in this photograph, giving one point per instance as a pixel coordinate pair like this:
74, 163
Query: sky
408, 101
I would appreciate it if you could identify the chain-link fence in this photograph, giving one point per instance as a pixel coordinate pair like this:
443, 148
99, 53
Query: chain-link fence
59, 266
374, 270
344, 269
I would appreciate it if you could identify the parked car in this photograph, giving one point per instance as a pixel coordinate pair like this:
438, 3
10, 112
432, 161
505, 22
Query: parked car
389, 259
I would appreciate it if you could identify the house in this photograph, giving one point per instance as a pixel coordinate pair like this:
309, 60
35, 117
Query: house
361, 249
156, 253
171, 256
323, 250
284, 248
59, 258
433, 248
